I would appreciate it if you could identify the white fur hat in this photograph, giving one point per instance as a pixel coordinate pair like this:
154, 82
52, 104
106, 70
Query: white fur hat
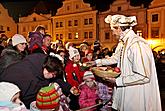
88, 75
73, 52
7, 91
120, 20
17, 39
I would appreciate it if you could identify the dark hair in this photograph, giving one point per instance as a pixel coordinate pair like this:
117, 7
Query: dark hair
38, 28
59, 51
46, 35
53, 64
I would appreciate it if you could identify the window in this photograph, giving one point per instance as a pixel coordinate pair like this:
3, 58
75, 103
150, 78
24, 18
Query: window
8, 28
76, 35
1, 27
61, 36
107, 35
85, 35
77, 6
68, 8
24, 29
155, 32
69, 23
90, 21
75, 22
155, 18
85, 21
57, 25
139, 33
90, 34
46, 27
34, 19
118, 8
57, 37
61, 24
69, 35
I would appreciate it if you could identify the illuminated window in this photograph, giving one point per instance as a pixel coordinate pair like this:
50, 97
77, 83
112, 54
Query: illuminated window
76, 35
139, 33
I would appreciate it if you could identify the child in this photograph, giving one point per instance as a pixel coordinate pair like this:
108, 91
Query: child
50, 98
89, 91
74, 75
10, 98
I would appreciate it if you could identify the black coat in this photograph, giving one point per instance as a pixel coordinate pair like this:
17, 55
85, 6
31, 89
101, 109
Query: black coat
28, 76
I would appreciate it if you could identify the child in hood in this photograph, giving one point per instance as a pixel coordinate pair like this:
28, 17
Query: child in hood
89, 91
10, 98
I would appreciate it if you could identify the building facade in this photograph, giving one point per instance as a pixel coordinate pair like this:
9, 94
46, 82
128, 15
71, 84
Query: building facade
121, 7
74, 22
29, 23
156, 23
7, 24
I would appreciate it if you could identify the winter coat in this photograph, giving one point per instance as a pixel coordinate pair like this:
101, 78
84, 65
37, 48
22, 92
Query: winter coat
74, 75
88, 96
9, 56
28, 75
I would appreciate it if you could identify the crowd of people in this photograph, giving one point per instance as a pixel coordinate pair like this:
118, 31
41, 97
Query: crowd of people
39, 75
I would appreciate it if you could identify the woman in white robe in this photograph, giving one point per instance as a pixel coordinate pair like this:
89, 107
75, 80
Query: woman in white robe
137, 87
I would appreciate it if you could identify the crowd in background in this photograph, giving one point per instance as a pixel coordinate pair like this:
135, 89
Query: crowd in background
36, 65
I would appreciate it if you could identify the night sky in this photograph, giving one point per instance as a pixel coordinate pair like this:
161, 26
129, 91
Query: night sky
18, 8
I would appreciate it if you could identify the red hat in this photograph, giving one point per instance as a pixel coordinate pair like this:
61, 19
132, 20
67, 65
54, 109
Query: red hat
47, 98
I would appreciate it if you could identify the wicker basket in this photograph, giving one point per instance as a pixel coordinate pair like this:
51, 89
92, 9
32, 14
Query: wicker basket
104, 74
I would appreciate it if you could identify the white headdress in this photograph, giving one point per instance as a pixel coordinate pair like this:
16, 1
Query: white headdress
120, 20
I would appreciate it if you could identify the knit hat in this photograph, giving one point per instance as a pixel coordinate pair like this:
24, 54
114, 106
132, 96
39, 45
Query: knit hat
17, 39
88, 75
47, 98
120, 20
73, 52
7, 91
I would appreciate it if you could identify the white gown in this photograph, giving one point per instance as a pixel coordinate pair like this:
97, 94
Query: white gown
137, 86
